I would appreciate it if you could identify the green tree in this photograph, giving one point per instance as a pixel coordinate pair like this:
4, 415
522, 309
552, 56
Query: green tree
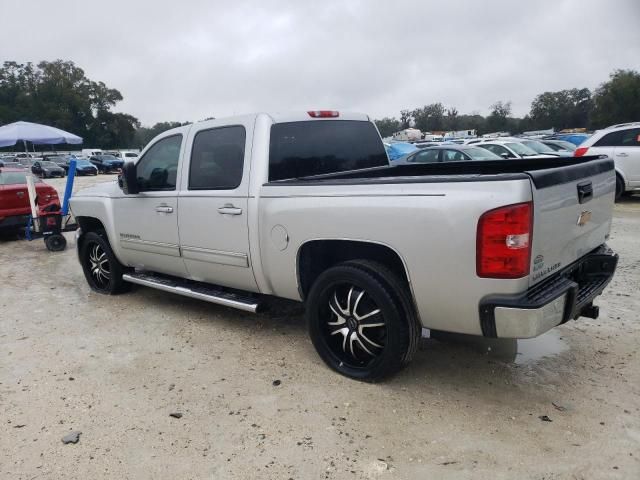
430, 117
452, 120
562, 109
618, 100
59, 94
405, 119
388, 126
498, 119
144, 135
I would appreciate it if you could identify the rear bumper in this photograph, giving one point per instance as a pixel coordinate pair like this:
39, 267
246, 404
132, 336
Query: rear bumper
567, 295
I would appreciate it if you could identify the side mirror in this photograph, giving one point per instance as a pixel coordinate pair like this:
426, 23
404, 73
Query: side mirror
128, 180
504, 155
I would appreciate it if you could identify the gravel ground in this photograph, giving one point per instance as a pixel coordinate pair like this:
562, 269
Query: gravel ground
257, 402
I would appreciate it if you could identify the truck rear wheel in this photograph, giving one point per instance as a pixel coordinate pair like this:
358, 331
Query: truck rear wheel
101, 268
361, 321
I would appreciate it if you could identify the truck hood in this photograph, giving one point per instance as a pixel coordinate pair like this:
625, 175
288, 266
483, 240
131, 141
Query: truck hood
105, 189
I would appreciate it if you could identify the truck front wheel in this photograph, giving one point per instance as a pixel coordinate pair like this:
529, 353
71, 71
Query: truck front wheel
361, 322
101, 268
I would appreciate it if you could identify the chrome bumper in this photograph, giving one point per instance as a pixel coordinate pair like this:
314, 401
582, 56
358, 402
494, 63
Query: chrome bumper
567, 295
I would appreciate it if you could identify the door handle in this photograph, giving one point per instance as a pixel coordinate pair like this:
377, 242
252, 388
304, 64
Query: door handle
164, 209
621, 154
229, 209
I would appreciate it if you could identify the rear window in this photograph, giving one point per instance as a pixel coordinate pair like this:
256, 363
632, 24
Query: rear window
14, 178
302, 149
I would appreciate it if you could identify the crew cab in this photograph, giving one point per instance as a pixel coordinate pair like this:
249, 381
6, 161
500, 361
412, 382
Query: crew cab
305, 206
14, 199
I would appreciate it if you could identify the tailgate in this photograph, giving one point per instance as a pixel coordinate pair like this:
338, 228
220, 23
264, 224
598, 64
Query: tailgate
14, 200
573, 207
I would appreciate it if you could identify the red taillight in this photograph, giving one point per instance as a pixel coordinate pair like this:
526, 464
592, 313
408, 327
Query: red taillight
324, 114
503, 248
580, 151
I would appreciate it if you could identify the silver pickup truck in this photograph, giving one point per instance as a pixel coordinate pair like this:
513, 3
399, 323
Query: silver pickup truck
306, 207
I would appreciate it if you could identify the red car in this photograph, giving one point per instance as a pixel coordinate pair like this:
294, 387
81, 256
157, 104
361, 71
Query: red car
14, 199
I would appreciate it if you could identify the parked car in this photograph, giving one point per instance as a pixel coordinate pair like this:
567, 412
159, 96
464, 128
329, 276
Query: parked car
448, 153
510, 149
85, 167
14, 199
305, 206
622, 144
541, 148
106, 163
124, 156
575, 138
60, 160
560, 145
46, 169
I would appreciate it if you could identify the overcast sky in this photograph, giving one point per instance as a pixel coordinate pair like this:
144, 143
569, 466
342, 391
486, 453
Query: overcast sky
189, 60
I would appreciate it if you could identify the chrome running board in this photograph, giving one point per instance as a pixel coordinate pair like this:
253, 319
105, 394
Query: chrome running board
198, 290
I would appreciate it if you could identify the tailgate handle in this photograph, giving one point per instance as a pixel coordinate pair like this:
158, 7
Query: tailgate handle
585, 192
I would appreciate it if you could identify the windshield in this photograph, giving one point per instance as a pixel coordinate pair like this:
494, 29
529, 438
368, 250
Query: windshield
538, 146
477, 153
521, 149
106, 157
84, 163
131, 155
48, 164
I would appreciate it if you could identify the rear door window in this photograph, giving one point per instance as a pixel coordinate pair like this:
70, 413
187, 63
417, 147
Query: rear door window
302, 149
426, 156
12, 178
630, 138
612, 139
217, 159
453, 156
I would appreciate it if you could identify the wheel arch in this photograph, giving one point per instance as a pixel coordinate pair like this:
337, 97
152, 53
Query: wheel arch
620, 174
317, 255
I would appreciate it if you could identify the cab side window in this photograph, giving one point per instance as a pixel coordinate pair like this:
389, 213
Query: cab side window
217, 159
158, 167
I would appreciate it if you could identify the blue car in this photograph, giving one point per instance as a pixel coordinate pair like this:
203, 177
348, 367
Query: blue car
106, 163
85, 167
575, 138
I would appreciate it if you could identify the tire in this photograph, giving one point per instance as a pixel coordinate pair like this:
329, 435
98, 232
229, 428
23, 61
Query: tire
101, 268
619, 187
366, 346
55, 242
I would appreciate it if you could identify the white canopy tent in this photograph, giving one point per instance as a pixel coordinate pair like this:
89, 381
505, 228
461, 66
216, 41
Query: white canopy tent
35, 133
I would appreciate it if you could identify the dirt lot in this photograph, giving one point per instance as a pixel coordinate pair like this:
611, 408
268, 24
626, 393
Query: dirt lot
114, 368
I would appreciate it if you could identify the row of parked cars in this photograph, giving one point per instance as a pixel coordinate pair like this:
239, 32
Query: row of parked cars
620, 142
51, 166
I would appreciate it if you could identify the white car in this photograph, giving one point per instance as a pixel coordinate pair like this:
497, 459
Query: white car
622, 143
509, 148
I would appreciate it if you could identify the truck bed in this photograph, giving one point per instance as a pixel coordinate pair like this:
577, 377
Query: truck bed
543, 172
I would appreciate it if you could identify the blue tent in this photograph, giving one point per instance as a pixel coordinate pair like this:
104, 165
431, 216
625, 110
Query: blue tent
397, 150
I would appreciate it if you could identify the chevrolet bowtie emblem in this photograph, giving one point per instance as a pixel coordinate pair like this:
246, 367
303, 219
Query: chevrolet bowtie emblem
583, 218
